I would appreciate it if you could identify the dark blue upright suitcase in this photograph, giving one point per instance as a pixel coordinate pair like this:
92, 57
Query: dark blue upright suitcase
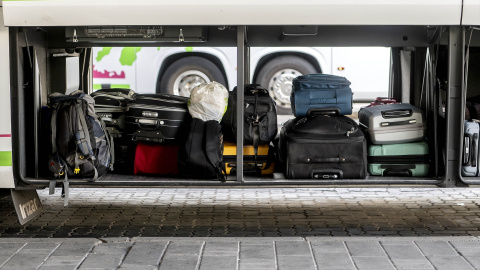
320, 91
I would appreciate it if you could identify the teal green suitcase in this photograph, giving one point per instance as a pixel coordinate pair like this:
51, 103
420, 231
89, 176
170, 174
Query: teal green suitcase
403, 159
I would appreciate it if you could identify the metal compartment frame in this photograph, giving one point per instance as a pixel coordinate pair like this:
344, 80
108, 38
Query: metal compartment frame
243, 37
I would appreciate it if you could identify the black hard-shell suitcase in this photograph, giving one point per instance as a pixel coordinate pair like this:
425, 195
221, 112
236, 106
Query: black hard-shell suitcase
156, 117
110, 106
323, 147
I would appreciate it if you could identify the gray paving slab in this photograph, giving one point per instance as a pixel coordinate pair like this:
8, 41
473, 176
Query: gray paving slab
102, 261
450, 262
67, 262
145, 254
25, 261
179, 261
218, 262
296, 262
436, 248
373, 262
474, 261
364, 248
66, 249
295, 248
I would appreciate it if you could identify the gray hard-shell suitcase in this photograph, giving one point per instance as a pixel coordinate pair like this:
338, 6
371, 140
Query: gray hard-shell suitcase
470, 149
110, 106
392, 123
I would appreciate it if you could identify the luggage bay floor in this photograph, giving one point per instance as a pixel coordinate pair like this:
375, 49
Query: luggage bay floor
277, 179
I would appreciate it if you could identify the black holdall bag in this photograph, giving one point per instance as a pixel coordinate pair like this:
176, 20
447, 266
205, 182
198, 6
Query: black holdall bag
81, 146
260, 117
201, 156
323, 145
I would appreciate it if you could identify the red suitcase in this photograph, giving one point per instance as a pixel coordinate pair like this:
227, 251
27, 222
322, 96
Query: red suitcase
152, 158
383, 101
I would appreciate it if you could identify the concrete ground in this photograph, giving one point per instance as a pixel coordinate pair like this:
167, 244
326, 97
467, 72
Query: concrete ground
247, 228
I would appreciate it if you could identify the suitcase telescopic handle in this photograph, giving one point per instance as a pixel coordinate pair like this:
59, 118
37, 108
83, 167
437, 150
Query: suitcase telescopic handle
148, 124
326, 174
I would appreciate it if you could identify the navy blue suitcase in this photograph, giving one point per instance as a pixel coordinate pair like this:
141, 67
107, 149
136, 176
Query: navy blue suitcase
320, 91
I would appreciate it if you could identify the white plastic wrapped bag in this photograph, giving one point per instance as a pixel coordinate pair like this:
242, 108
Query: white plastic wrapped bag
208, 101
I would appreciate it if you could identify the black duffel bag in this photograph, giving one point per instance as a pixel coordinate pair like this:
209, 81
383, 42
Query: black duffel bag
260, 116
201, 155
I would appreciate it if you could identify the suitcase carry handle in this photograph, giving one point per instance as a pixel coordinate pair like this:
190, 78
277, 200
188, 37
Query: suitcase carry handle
148, 136
397, 170
106, 117
397, 173
397, 113
148, 124
323, 111
470, 150
399, 123
466, 149
326, 174
386, 99
474, 150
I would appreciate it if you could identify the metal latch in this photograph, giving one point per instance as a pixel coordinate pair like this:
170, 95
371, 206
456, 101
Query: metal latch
75, 39
181, 38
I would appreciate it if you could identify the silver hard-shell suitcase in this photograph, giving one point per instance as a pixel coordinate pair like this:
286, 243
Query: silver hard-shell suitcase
470, 149
392, 123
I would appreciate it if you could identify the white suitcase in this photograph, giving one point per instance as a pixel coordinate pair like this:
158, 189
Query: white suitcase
392, 123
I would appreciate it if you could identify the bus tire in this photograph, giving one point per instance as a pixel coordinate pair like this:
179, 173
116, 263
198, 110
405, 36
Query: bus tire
184, 74
277, 75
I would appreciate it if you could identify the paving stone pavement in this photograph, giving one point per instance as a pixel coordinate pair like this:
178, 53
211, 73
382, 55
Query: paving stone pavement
247, 228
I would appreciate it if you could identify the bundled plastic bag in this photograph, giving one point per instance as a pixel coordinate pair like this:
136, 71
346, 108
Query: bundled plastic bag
208, 101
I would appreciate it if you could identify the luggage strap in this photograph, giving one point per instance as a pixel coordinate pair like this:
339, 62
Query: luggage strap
53, 182
256, 130
212, 128
110, 143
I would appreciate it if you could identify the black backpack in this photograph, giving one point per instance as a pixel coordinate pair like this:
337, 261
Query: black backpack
260, 116
201, 156
259, 120
81, 147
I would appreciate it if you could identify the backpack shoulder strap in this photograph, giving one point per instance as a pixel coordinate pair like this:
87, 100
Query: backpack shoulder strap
83, 137
53, 126
212, 129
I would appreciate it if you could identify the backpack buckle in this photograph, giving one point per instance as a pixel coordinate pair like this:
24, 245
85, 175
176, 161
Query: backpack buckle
256, 119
